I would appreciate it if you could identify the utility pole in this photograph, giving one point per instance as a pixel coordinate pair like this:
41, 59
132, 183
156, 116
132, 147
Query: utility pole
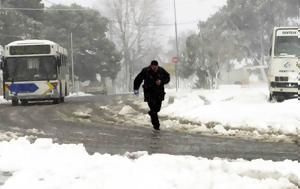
72, 63
177, 50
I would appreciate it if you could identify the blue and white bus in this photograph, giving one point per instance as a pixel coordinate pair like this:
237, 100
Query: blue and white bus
35, 70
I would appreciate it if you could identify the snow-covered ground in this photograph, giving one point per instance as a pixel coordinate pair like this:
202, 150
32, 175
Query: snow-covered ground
43, 164
78, 94
232, 110
3, 101
71, 95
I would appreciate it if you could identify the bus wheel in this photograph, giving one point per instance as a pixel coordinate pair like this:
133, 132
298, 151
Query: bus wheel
56, 101
15, 102
24, 102
62, 99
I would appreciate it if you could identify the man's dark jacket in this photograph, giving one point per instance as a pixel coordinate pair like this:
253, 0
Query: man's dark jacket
151, 90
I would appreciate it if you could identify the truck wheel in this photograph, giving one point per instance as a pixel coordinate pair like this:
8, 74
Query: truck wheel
280, 98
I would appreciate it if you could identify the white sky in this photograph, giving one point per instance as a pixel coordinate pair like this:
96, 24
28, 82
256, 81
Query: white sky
189, 12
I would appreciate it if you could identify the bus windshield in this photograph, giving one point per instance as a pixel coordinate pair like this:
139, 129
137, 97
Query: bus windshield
30, 69
287, 45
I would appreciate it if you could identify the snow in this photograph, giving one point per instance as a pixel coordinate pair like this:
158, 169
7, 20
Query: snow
90, 52
71, 95
232, 111
236, 107
32, 41
3, 101
127, 110
229, 110
43, 164
79, 94
240, 64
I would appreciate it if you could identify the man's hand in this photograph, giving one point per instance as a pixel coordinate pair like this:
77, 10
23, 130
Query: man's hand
158, 82
136, 92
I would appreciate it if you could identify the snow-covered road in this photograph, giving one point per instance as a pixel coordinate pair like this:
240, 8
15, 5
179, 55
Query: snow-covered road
231, 111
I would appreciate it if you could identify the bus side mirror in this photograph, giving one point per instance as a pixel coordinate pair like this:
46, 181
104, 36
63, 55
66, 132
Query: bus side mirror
270, 51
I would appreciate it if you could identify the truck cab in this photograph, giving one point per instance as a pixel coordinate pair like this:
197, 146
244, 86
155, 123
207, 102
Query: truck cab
283, 75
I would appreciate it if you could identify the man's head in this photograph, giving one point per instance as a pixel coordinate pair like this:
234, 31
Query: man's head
154, 65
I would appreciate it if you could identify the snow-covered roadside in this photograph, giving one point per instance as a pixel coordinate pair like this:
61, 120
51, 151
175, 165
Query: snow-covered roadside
78, 94
237, 111
236, 107
71, 95
231, 111
234, 110
3, 101
47, 165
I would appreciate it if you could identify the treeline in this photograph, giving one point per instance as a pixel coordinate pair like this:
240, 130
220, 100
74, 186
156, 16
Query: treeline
93, 51
240, 30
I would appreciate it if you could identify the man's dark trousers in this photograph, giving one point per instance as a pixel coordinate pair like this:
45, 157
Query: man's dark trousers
154, 104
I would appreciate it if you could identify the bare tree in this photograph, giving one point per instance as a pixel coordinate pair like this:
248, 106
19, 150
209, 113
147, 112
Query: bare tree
132, 28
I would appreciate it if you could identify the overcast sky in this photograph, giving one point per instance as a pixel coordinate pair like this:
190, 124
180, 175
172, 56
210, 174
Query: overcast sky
189, 12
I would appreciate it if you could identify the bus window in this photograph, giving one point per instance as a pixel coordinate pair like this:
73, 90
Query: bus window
31, 69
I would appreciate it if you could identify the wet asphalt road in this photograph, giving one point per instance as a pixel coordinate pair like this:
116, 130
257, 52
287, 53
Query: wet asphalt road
105, 133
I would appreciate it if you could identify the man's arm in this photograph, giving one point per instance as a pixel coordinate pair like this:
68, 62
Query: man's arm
165, 79
138, 80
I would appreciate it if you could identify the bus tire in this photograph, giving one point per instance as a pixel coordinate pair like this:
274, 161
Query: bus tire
56, 101
24, 102
15, 102
61, 97
66, 90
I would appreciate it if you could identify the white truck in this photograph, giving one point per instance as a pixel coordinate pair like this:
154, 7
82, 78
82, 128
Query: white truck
284, 63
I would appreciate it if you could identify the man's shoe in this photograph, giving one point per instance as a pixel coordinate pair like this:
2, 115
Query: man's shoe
156, 127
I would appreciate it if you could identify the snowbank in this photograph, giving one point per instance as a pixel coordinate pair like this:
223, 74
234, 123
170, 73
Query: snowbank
47, 165
3, 101
236, 107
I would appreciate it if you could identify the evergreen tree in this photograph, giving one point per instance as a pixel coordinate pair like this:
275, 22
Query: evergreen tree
240, 30
93, 52
16, 24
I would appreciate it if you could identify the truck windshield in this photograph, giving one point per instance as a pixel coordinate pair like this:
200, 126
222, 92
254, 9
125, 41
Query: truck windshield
287, 45
30, 69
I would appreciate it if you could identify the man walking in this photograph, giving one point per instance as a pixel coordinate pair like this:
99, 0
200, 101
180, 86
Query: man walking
154, 77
